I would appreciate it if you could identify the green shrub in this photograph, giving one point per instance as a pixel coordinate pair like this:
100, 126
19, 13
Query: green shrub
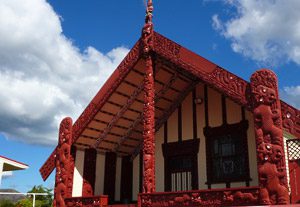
24, 203
6, 203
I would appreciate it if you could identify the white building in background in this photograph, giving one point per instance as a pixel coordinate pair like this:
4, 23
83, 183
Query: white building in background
7, 165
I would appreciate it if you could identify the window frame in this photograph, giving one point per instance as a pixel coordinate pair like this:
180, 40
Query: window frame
237, 131
187, 149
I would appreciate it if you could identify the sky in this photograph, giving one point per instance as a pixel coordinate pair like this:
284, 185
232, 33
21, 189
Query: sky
55, 55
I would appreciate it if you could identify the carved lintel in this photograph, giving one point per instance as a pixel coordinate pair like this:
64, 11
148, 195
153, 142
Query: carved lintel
217, 197
269, 138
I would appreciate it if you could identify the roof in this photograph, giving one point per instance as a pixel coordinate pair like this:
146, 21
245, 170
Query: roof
103, 113
11, 165
112, 120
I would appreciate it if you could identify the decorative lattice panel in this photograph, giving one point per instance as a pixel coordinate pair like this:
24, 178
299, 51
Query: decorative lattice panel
293, 146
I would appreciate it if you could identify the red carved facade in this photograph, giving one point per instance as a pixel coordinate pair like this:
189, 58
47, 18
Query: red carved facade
148, 111
222, 80
92, 201
48, 166
64, 163
269, 138
260, 96
217, 197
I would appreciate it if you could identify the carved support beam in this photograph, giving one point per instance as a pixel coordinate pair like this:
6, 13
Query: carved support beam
64, 163
269, 138
148, 130
149, 105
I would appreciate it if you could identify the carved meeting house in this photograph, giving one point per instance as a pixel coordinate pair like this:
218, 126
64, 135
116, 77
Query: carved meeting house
170, 128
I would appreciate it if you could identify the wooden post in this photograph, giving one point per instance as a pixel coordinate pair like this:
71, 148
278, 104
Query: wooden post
271, 166
64, 163
149, 111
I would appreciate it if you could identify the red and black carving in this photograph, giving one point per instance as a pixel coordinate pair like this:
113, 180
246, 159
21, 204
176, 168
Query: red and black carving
216, 197
106, 91
290, 118
147, 32
148, 111
216, 77
63, 163
48, 166
89, 172
95, 201
98, 101
269, 138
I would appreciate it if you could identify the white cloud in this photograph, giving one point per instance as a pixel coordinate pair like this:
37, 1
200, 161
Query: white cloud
217, 24
291, 95
43, 76
267, 31
7, 174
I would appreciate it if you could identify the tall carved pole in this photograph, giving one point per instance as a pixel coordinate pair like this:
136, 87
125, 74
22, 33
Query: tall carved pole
269, 138
64, 163
148, 118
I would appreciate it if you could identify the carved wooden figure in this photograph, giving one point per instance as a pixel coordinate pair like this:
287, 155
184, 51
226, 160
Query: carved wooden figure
269, 138
148, 111
64, 163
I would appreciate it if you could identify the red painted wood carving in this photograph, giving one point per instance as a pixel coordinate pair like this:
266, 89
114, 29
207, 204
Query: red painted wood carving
216, 77
213, 75
63, 163
219, 78
106, 91
98, 101
148, 111
269, 138
216, 197
48, 166
290, 119
95, 201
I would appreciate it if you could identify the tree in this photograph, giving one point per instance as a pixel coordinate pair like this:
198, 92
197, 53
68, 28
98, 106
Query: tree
44, 201
40, 201
24, 203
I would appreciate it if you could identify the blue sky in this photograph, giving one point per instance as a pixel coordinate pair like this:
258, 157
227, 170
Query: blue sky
55, 55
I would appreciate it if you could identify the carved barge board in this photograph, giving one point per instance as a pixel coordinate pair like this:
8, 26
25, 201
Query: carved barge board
225, 82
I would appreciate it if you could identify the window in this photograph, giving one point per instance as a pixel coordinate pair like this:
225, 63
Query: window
181, 173
227, 157
181, 165
227, 153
